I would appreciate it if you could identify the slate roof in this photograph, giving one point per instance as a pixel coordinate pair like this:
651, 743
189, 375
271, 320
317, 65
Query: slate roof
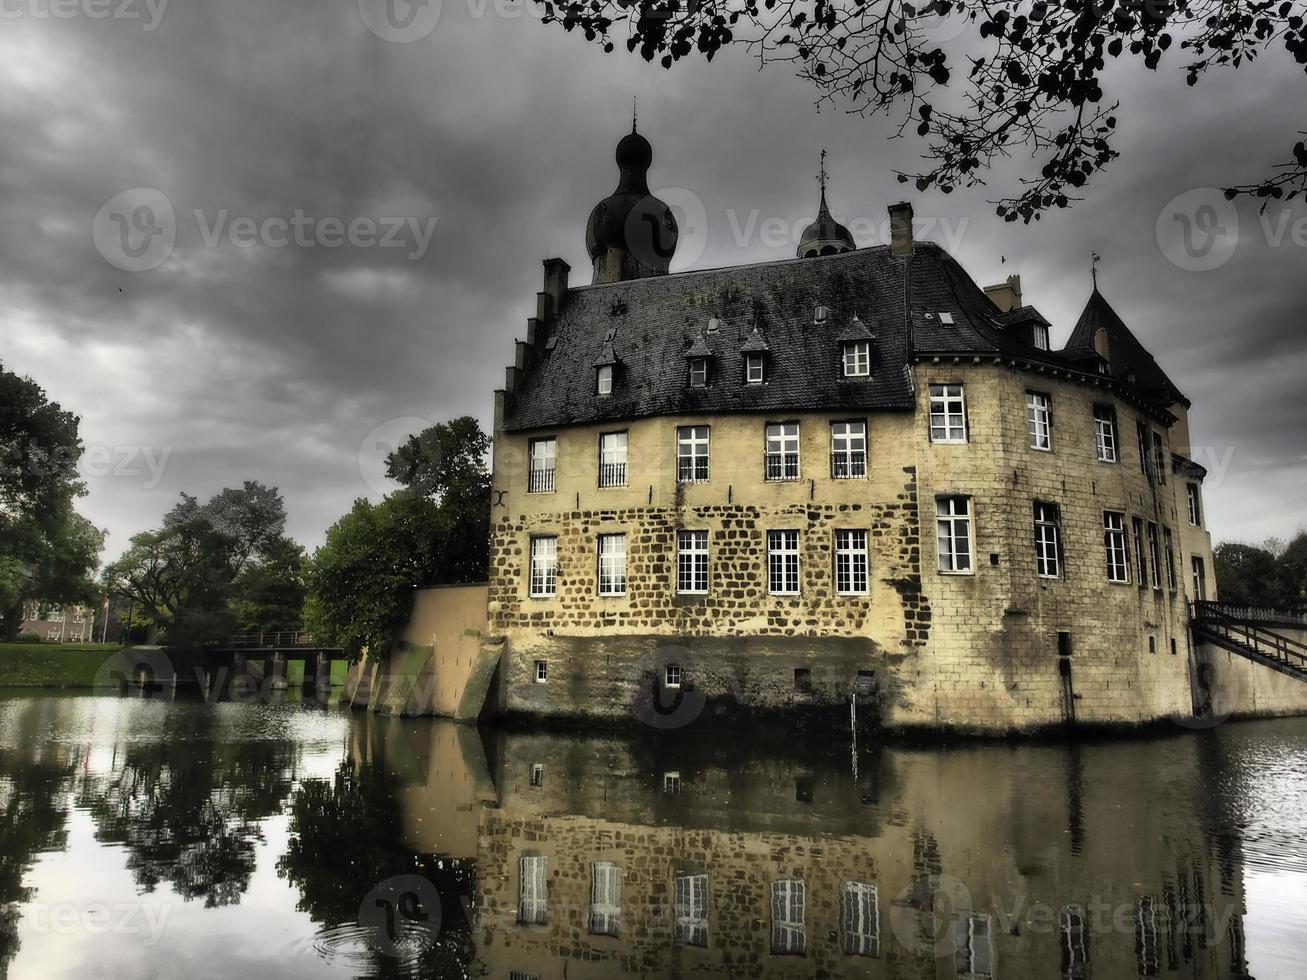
1126, 354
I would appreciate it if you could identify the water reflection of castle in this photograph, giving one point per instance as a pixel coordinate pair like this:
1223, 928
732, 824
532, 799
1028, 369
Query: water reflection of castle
614, 857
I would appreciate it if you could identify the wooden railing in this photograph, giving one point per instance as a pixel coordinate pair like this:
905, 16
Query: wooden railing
1249, 636
280, 638
1252, 614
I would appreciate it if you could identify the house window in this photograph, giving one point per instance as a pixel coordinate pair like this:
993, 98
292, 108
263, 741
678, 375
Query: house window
1155, 553
1146, 959
851, 562
1118, 558
1169, 541
544, 567
1048, 540
612, 459
783, 562
1105, 433
861, 919
782, 451
1075, 951
1039, 336
690, 908
848, 450
1141, 438
857, 359
953, 533
605, 899
537, 775
672, 675
975, 954
754, 371
1195, 506
1039, 420
692, 562
692, 454
699, 372
671, 783
1200, 578
533, 894
948, 414
540, 476
1159, 457
788, 937
612, 564
604, 380
541, 671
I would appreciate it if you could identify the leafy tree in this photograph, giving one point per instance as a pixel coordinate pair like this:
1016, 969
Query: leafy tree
1292, 566
270, 593
1247, 575
1021, 76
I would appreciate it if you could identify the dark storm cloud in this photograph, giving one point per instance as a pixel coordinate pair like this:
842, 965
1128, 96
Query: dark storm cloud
266, 363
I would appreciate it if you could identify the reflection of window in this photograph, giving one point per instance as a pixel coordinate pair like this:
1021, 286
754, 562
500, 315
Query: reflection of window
692, 561
532, 896
861, 919
787, 933
783, 562
1146, 937
691, 910
605, 899
975, 955
1075, 953
1118, 558
537, 775
948, 414
612, 564
848, 450
671, 782
544, 567
782, 456
851, 562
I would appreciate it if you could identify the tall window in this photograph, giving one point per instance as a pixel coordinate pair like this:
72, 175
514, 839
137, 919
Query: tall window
612, 564
1146, 959
699, 372
848, 450
953, 533
851, 562
974, 956
783, 562
605, 917
857, 359
691, 561
861, 919
533, 894
1195, 505
783, 451
540, 475
787, 907
1145, 454
604, 380
1141, 553
691, 910
1075, 951
692, 454
1200, 578
1159, 457
1048, 540
544, 567
1105, 433
1169, 541
754, 369
1118, 558
1039, 420
1155, 553
612, 459
948, 414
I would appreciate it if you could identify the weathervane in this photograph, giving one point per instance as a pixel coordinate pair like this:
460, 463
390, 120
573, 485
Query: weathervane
1093, 267
635, 110
821, 174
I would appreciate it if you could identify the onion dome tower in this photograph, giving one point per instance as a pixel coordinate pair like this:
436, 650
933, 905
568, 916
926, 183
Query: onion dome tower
631, 234
825, 236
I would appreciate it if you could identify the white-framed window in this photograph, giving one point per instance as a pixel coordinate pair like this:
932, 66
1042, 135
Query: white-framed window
605, 917
1141, 552
1039, 336
537, 777
604, 380
1048, 540
953, 534
671, 783
1155, 553
1141, 441
612, 564
544, 567
542, 671
755, 369
1039, 420
1168, 540
692, 454
692, 562
857, 359
690, 908
1159, 456
782, 456
672, 676
1195, 504
948, 413
848, 450
1114, 543
861, 919
1075, 951
533, 891
698, 372
540, 475
974, 956
1200, 577
783, 562
1146, 948
788, 935
1105, 433
851, 562
612, 459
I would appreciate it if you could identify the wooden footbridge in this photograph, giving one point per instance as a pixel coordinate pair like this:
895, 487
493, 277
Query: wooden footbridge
1275, 638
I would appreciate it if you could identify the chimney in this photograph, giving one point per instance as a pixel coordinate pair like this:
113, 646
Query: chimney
1005, 295
900, 228
556, 271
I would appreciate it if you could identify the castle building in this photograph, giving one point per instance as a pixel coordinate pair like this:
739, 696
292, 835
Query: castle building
851, 475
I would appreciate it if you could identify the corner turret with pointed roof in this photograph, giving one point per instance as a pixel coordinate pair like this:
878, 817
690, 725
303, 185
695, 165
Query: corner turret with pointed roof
1101, 329
825, 236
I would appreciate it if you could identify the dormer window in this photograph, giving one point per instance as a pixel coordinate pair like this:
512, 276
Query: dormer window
1039, 336
857, 359
604, 380
699, 372
754, 369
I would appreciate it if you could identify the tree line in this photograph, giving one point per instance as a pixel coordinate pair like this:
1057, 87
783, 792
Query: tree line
1270, 574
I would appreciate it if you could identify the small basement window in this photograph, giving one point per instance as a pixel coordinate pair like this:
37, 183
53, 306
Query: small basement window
672, 675
866, 682
541, 671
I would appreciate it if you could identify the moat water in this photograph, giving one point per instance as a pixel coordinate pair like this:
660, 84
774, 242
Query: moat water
141, 838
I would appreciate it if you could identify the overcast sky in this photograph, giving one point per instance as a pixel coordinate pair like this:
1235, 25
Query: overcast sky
225, 361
